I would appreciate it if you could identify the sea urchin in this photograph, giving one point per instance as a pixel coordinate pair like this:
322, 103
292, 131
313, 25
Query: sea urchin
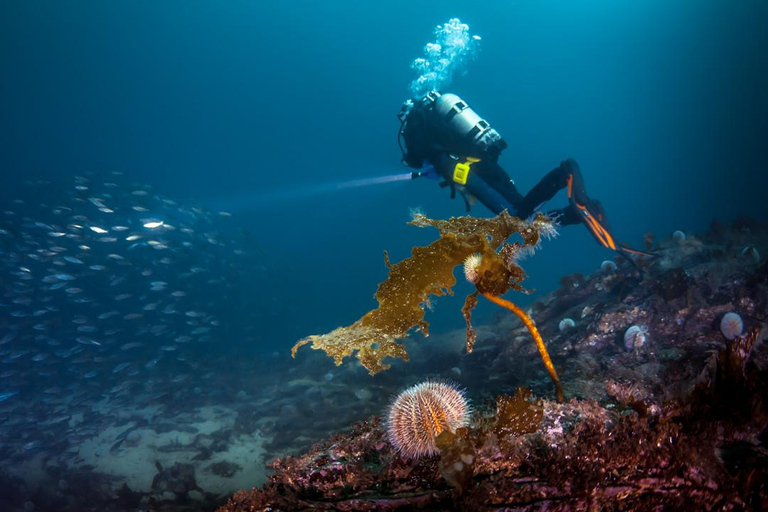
421, 413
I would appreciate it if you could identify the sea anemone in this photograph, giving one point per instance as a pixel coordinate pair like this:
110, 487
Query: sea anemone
608, 266
635, 337
566, 323
678, 236
731, 325
472, 266
546, 226
750, 254
421, 413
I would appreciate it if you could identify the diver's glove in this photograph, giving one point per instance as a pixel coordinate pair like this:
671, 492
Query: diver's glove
427, 171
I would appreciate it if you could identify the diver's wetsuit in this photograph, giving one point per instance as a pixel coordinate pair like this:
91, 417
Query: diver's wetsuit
433, 137
491, 185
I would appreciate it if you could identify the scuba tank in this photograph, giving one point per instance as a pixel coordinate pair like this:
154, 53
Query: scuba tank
444, 123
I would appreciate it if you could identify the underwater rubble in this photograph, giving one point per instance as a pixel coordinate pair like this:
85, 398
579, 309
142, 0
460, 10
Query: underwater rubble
664, 367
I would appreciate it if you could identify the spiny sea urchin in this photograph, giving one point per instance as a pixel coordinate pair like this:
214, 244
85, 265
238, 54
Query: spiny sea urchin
421, 413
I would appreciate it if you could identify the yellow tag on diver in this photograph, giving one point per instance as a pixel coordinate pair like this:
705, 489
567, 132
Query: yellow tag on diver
461, 171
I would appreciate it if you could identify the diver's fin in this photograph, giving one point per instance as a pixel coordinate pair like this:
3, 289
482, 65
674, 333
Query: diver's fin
597, 226
591, 214
635, 252
628, 253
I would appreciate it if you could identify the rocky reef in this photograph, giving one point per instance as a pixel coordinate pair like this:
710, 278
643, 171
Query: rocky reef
665, 402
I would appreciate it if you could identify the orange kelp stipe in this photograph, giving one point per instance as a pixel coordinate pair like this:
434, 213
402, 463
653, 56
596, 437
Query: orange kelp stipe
536, 337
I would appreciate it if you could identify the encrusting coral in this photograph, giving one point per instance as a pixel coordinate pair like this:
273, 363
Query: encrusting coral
429, 271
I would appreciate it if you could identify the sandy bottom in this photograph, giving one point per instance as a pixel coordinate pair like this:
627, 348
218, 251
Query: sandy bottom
135, 462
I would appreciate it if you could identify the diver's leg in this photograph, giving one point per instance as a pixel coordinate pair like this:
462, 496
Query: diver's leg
497, 178
488, 195
554, 181
581, 209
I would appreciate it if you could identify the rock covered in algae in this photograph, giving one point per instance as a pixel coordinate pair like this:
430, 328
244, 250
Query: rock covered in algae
682, 426
428, 272
704, 451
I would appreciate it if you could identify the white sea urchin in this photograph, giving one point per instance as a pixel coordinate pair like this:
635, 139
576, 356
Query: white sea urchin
421, 413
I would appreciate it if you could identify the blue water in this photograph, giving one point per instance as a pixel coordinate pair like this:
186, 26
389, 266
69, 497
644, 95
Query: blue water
262, 108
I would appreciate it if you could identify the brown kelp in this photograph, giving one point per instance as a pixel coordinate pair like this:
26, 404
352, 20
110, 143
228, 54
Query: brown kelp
430, 272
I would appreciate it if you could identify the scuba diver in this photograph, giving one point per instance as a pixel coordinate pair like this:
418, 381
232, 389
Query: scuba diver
445, 138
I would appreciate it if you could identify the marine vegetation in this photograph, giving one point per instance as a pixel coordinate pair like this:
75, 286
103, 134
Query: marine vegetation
678, 423
490, 264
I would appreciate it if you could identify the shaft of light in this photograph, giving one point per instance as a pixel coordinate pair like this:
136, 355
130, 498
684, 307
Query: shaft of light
276, 197
374, 181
